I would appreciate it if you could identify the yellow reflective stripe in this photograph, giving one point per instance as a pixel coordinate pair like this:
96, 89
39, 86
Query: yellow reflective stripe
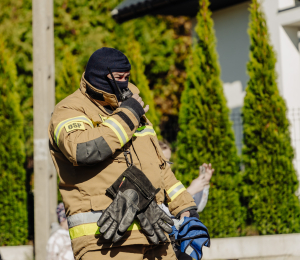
116, 132
144, 130
178, 193
118, 129
121, 127
175, 190
173, 187
61, 125
103, 118
93, 229
84, 230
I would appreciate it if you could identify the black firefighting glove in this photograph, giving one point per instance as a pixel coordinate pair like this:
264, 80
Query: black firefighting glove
152, 219
133, 192
158, 219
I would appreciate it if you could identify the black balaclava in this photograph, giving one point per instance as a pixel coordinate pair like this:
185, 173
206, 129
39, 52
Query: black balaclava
96, 70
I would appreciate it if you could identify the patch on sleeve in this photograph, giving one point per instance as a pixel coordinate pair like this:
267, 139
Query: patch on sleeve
74, 126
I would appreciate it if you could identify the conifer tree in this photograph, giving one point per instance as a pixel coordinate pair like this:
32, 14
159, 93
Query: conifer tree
13, 199
68, 77
206, 133
270, 179
138, 78
16, 32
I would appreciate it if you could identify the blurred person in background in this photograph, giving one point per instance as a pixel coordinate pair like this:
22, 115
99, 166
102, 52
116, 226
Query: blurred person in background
199, 187
59, 243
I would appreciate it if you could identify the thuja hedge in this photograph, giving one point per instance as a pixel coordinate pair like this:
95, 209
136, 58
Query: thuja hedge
139, 79
206, 133
270, 179
13, 217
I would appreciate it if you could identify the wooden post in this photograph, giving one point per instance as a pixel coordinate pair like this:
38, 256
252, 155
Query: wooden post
45, 196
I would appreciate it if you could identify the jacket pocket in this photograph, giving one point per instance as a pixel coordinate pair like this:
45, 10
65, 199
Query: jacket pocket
100, 202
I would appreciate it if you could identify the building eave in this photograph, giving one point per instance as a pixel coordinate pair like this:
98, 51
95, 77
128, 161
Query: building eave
131, 9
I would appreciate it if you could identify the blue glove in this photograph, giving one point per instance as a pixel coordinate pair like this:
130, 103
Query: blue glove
191, 237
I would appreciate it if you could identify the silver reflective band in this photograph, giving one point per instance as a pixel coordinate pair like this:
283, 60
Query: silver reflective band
112, 123
175, 190
83, 218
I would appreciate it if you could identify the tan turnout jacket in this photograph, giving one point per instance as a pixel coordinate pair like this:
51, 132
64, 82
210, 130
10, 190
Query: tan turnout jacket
86, 137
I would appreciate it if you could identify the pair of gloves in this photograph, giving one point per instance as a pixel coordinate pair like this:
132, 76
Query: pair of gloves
134, 198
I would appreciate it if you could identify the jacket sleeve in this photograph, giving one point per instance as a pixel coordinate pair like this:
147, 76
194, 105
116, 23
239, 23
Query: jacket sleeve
180, 199
75, 135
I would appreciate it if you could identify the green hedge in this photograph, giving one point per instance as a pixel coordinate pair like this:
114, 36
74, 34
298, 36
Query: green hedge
206, 133
67, 76
139, 79
13, 199
270, 178
16, 31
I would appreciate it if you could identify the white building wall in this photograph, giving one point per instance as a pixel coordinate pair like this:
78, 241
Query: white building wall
231, 26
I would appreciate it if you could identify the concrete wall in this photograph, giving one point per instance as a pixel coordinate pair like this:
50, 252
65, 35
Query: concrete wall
16, 252
254, 247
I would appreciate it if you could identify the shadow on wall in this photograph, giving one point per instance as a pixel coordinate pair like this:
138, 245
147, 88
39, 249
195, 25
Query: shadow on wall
231, 25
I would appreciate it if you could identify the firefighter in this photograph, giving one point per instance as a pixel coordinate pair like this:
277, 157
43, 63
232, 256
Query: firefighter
112, 171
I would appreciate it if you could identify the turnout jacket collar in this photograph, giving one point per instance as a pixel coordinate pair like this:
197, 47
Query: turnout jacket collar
108, 99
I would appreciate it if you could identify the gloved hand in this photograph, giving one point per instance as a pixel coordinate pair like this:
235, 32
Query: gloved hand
133, 192
189, 236
123, 207
157, 218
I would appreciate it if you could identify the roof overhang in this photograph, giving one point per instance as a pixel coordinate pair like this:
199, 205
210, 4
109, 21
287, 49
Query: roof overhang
130, 9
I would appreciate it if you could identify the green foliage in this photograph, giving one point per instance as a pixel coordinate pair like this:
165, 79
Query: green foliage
168, 85
16, 31
138, 78
206, 133
67, 78
270, 179
13, 216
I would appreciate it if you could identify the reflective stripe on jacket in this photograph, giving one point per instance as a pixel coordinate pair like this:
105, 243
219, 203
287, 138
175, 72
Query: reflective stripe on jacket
84, 224
86, 137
